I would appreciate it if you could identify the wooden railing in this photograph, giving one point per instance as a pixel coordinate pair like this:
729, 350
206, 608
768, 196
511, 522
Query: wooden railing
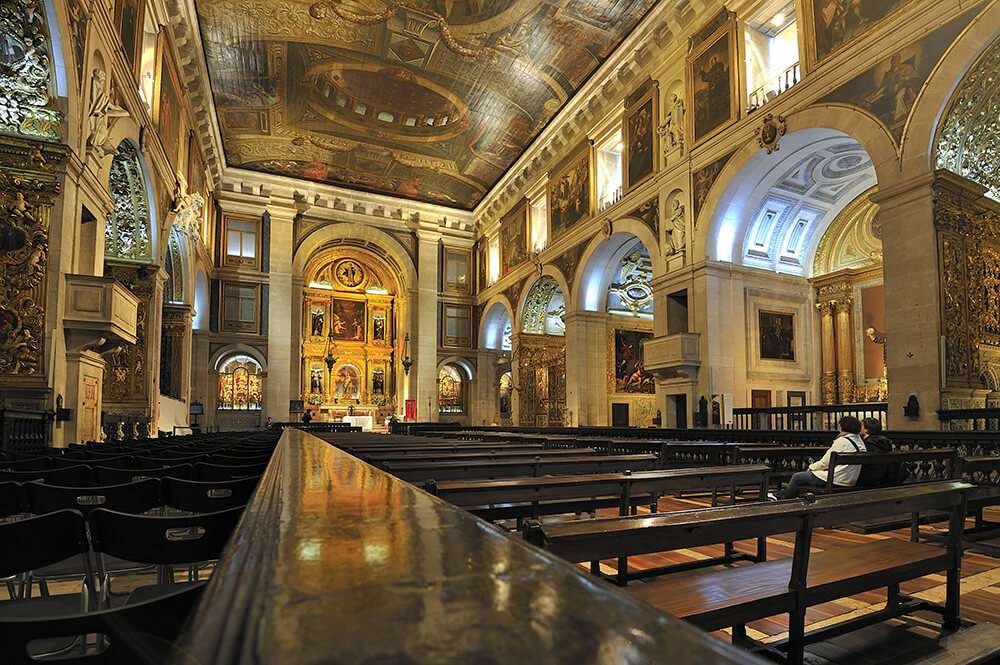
813, 417
22, 430
361, 567
975, 420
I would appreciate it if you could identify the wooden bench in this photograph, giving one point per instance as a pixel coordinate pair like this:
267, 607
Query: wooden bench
490, 454
417, 449
731, 597
783, 460
570, 464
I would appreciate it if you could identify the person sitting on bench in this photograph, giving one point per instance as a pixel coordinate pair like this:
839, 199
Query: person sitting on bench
849, 441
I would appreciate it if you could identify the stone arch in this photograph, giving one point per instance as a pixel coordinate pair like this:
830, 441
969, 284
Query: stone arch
497, 314
598, 261
359, 235
918, 152
467, 368
238, 349
810, 124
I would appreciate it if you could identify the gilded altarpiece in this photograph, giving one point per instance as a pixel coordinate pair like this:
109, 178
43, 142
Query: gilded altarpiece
542, 372
349, 316
968, 229
28, 188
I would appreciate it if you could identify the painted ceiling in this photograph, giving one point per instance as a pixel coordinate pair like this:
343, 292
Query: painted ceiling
430, 100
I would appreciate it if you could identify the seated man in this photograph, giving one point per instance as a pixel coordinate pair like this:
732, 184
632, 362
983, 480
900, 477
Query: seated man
849, 441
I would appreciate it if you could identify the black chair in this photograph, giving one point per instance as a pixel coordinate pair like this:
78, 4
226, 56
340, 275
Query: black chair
134, 497
212, 472
136, 634
185, 540
199, 496
11, 499
238, 460
107, 475
159, 462
78, 476
29, 464
43, 541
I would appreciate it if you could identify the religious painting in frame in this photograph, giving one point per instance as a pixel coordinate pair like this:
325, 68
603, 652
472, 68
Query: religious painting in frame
640, 142
777, 335
168, 110
129, 14
570, 192
630, 375
347, 320
712, 82
514, 237
833, 24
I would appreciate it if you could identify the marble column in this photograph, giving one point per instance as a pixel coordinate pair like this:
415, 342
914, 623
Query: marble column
586, 369
845, 351
828, 382
485, 408
424, 344
281, 352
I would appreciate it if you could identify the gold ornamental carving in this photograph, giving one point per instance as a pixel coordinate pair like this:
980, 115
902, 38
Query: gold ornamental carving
125, 377
968, 229
28, 187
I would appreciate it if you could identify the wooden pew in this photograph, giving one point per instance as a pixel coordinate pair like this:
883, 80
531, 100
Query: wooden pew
424, 448
783, 460
521, 498
491, 454
570, 464
731, 597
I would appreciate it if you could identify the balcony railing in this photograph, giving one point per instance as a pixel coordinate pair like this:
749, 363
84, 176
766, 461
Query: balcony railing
773, 88
609, 199
811, 417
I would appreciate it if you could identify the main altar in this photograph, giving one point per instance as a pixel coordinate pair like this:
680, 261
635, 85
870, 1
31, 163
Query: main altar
349, 337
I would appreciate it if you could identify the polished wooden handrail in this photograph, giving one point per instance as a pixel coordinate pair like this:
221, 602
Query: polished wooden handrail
335, 560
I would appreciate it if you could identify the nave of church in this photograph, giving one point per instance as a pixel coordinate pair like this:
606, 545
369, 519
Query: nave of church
426, 331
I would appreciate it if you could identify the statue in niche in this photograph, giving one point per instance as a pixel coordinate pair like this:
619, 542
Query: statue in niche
316, 380
378, 328
104, 113
316, 322
378, 382
675, 229
672, 129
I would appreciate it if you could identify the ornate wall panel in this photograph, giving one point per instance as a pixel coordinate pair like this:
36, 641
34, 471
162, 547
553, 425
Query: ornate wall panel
542, 371
28, 187
27, 103
127, 234
968, 230
969, 139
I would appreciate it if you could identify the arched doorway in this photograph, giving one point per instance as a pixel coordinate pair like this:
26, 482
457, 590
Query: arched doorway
239, 397
350, 324
496, 343
540, 355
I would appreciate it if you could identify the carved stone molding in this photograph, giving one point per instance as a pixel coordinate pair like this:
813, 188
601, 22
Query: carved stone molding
27, 107
28, 187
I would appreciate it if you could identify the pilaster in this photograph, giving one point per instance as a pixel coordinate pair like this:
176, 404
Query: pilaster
586, 369
425, 343
282, 353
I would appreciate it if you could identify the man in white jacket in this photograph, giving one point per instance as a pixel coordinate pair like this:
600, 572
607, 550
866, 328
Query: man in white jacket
849, 441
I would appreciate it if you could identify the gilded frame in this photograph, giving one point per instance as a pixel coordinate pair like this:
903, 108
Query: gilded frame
808, 39
647, 93
727, 31
585, 151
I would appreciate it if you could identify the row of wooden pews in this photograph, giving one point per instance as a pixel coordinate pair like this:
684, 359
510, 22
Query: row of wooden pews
498, 479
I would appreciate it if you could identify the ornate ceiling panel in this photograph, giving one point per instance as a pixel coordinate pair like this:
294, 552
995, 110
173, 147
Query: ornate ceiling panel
430, 100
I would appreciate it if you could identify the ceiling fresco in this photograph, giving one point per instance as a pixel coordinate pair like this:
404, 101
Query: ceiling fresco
430, 100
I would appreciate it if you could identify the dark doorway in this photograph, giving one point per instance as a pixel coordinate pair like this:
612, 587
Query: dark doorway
761, 399
680, 418
619, 415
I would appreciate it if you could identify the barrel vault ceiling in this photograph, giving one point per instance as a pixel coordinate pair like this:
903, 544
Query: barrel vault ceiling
430, 100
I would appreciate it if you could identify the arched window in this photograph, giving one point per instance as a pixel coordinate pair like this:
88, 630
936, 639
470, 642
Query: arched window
127, 235
450, 391
241, 384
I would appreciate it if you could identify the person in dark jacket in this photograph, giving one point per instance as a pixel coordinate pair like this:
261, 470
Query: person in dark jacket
873, 475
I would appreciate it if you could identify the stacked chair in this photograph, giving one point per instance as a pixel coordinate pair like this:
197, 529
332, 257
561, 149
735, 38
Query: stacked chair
154, 513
